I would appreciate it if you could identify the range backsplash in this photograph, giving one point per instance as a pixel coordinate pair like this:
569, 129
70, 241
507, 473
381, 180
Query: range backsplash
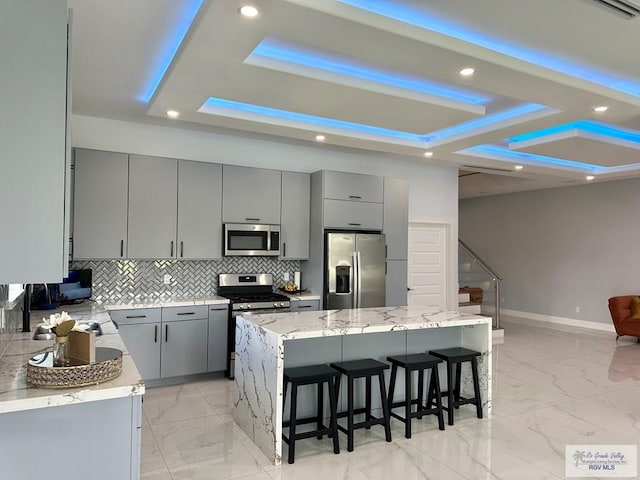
116, 280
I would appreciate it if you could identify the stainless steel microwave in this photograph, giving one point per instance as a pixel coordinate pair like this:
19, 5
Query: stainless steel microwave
241, 240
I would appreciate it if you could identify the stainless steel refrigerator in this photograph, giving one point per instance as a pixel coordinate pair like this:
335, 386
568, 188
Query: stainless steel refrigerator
354, 270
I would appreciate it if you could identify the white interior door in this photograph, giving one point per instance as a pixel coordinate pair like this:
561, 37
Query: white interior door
427, 265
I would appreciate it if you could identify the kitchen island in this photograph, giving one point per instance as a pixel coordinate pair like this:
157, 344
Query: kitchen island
266, 344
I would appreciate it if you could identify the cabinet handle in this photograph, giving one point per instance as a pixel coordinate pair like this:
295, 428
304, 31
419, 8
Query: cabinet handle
386, 251
252, 219
155, 334
166, 333
121, 248
357, 197
355, 224
171, 249
136, 316
304, 306
181, 248
187, 313
284, 249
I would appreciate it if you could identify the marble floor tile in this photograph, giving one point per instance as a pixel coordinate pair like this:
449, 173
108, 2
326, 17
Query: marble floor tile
184, 404
553, 386
334, 467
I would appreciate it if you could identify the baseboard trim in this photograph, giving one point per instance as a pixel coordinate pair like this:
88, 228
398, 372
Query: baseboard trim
571, 322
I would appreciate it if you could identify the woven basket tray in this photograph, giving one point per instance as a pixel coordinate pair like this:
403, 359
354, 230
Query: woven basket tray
75, 376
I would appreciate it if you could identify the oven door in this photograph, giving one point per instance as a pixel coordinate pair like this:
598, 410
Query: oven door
251, 240
231, 341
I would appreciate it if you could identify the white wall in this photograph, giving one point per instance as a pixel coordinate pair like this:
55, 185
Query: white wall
433, 190
559, 249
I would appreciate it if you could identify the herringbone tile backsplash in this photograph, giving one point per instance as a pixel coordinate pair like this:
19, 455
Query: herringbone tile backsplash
117, 280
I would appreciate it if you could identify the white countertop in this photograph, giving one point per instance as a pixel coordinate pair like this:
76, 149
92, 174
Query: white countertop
16, 394
325, 323
300, 296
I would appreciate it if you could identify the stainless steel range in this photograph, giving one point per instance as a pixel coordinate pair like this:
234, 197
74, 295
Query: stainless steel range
248, 292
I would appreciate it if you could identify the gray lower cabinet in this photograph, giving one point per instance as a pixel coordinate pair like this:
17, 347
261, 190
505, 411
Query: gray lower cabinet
396, 283
100, 204
305, 305
184, 347
109, 429
251, 195
217, 334
294, 224
165, 342
153, 205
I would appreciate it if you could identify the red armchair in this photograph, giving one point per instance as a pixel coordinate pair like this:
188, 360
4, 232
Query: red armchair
620, 308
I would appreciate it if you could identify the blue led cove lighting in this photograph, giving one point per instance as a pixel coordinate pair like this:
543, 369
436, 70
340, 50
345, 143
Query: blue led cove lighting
392, 9
486, 121
529, 157
590, 126
298, 56
310, 119
168, 50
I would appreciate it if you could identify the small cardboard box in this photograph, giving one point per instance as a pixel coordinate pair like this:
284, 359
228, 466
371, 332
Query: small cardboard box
82, 346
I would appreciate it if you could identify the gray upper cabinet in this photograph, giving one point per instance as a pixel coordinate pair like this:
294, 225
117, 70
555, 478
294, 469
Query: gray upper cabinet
33, 55
353, 186
153, 205
294, 229
352, 215
100, 204
199, 210
396, 217
251, 195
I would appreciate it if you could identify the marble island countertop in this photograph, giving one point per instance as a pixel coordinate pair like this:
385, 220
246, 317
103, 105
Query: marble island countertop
327, 323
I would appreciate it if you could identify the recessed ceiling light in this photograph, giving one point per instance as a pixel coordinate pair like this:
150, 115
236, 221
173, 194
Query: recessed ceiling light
601, 109
320, 138
428, 154
590, 177
467, 72
173, 114
518, 167
249, 11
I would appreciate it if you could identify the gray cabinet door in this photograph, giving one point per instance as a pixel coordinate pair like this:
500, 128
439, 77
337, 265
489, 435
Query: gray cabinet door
143, 342
251, 195
353, 186
217, 345
305, 305
396, 217
153, 205
352, 215
184, 348
294, 224
199, 210
396, 283
100, 204
33, 55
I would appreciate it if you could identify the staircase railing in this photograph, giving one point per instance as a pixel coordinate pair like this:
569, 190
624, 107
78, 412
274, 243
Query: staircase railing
495, 277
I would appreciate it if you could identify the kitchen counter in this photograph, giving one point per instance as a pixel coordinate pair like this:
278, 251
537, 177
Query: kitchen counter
296, 297
16, 394
267, 343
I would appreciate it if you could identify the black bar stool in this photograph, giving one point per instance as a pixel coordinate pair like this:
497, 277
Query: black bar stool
365, 368
456, 357
416, 362
311, 375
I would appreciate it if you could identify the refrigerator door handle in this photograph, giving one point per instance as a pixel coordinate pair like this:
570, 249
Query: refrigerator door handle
358, 279
356, 273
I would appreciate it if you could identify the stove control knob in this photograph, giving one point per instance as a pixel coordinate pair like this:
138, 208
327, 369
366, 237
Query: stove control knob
242, 306
248, 305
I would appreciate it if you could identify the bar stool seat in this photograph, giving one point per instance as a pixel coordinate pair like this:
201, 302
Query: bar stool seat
311, 375
363, 368
456, 356
416, 362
